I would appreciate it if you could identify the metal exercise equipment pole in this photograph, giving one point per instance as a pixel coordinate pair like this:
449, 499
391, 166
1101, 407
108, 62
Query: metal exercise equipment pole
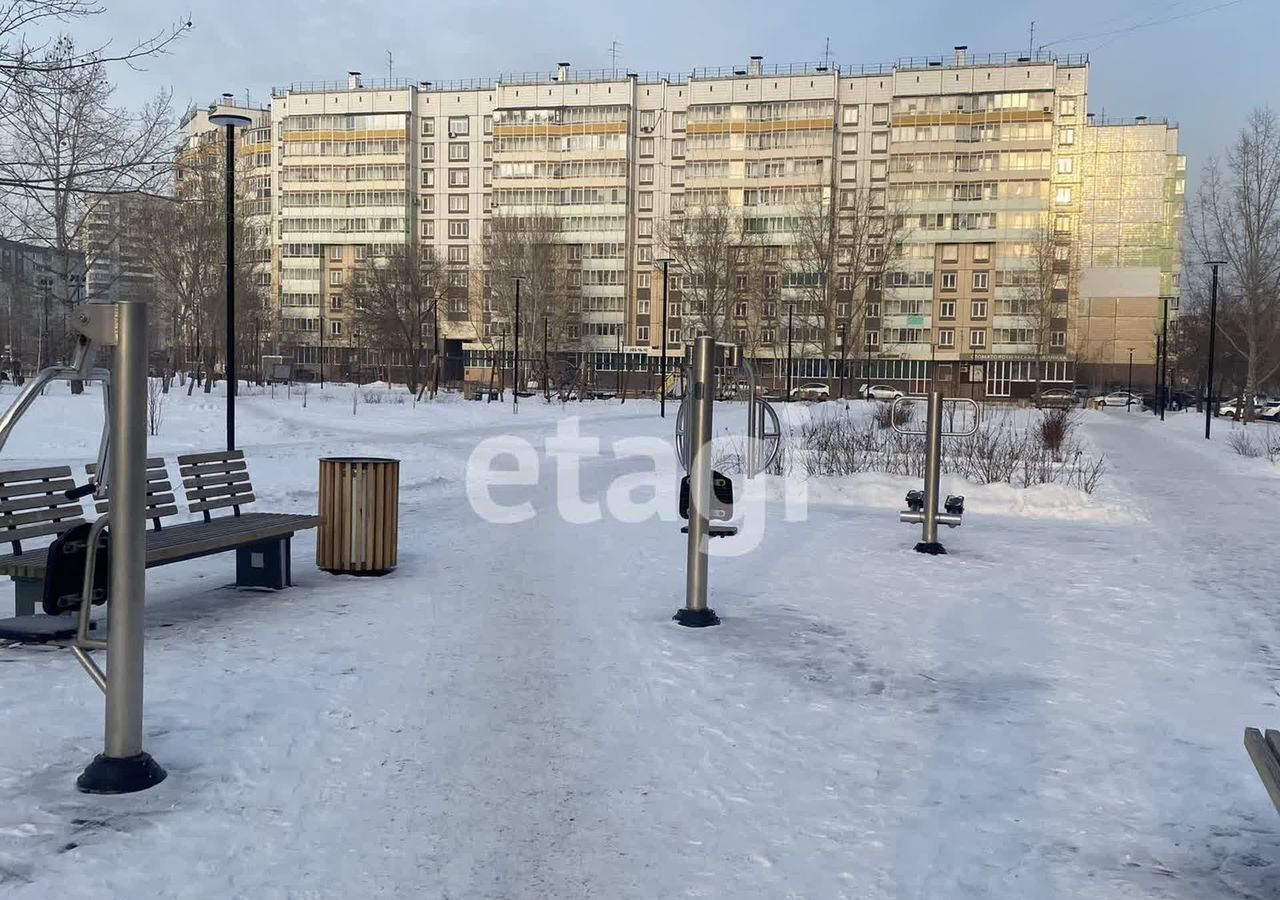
1213, 335
231, 288
695, 613
932, 468
753, 416
123, 766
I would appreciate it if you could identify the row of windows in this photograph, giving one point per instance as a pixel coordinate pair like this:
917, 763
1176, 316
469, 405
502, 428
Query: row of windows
361, 122
561, 144
969, 191
290, 199
305, 225
370, 172
982, 133
995, 161
560, 196
974, 102
587, 168
388, 146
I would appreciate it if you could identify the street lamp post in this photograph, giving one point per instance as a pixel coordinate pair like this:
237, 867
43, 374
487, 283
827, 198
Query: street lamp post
1213, 334
546, 368
1128, 403
230, 121
662, 360
791, 319
1163, 399
515, 373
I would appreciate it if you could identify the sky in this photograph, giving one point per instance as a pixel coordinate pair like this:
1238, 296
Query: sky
1203, 63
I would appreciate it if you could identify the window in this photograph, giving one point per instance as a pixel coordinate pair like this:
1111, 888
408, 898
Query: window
980, 280
642, 307
427, 202
1066, 165
873, 339
849, 172
880, 142
459, 178
677, 175
488, 124
646, 201
1062, 224
948, 281
872, 311
428, 178
335, 327
646, 147
978, 309
880, 114
644, 228
428, 127
335, 278
644, 253
978, 338
459, 126
947, 309
982, 253
1067, 137
361, 252
335, 254
642, 279
429, 229
487, 150
459, 151
950, 253
677, 149
458, 279
946, 337
1064, 195
849, 115
459, 203
1067, 107
1057, 339
642, 334
459, 228
459, 255
487, 177
646, 174
879, 170
849, 143
678, 120
673, 335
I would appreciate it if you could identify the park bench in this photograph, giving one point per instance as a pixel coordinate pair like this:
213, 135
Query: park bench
32, 504
1264, 750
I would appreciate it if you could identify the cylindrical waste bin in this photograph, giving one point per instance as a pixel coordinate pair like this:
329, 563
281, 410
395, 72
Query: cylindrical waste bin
359, 515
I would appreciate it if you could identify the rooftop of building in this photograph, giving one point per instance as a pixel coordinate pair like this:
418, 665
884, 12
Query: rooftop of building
755, 67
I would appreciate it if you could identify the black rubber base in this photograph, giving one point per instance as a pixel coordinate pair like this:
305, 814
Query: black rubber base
696, 618
111, 775
934, 549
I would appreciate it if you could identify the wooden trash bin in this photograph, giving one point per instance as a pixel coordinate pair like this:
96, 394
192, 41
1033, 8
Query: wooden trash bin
359, 515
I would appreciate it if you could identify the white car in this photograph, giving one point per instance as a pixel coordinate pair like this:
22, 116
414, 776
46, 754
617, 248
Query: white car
879, 392
1270, 412
813, 390
1120, 398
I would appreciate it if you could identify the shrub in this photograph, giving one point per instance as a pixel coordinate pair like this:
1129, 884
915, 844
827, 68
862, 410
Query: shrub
1056, 426
886, 415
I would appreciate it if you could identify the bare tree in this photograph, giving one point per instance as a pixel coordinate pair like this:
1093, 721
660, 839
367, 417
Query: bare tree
1044, 284
396, 298
1236, 218
709, 248
842, 244
64, 150
528, 247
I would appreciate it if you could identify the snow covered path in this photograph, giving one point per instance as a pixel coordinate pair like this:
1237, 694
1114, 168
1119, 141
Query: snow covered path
1052, 711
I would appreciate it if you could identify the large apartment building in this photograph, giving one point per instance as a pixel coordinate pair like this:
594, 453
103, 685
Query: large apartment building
986, 229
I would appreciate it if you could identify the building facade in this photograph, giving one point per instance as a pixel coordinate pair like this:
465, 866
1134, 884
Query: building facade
984, 229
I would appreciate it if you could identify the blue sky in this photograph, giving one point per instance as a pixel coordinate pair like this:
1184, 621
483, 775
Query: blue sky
1205, 70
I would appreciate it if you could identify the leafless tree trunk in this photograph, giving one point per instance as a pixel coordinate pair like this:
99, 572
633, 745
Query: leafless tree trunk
709, 249
1043, 289
1236, 218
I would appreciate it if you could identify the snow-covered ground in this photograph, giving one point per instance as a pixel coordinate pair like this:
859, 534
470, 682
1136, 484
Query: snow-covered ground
1054, 710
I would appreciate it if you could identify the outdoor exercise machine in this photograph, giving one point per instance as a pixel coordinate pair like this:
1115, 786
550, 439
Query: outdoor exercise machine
706, 496
922, 506
123, 766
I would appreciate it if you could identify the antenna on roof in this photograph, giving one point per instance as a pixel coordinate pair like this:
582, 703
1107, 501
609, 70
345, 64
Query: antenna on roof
826, 54
614, 47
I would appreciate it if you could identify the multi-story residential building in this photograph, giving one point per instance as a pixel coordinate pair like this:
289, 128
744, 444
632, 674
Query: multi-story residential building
984, 229
33, 320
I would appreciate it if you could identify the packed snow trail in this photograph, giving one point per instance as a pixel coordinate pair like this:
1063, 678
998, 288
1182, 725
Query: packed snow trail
1052, 711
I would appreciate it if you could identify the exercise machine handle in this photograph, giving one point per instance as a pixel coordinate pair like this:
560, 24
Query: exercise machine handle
83, 491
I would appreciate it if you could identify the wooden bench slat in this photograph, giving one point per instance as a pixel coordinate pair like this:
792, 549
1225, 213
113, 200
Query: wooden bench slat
32, 531
202, 505
13, 476
222, 490
212, 456
201, 481
16, 521
14, 491
153, 463
35, 501
209, 469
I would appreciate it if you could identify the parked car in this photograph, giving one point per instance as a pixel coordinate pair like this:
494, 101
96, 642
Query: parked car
1271, 412
1234, 406
813, 390
879, 392
1057, 398
1119, 398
